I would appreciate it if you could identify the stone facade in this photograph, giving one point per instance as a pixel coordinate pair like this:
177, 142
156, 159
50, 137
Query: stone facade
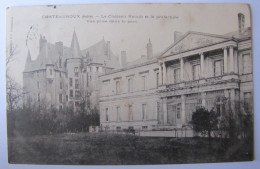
66, 76
162, 91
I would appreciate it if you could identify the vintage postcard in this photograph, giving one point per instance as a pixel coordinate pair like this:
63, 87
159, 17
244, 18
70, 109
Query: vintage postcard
129, 84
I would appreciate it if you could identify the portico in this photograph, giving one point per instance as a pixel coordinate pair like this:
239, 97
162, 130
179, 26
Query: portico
196, 72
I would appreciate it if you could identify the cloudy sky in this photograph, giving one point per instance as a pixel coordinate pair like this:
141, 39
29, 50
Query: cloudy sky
26, 24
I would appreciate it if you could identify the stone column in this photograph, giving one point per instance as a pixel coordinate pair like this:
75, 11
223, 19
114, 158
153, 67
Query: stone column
201, 65
183, 114
182, 69
235, 61
232, 100
164, 110
231, 59
164, 74
230, 95
225, 61
203, 99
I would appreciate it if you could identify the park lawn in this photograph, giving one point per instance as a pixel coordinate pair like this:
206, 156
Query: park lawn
112, 149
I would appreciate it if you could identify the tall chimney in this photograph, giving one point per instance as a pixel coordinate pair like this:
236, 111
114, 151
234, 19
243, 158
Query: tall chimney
108, 49
123, 58
149, 50
177, 36
59, 47
42, 41
241, 23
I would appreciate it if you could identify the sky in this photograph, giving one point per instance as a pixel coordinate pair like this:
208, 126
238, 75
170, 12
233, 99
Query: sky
25, 25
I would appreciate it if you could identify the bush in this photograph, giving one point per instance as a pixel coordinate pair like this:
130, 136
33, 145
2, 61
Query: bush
204, 121
29, 121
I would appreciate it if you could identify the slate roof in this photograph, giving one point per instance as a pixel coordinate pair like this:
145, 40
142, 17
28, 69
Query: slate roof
97, 53
49, 55
246, 34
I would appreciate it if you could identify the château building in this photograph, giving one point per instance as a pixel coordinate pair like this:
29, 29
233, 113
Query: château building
153, 92
66, 76
161, 91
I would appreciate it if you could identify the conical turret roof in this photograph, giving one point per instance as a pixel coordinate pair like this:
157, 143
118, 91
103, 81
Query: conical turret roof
75, 46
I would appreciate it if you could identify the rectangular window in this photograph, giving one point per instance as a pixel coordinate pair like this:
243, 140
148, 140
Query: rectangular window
77, 105
131, 127
118, 113
177, 75
71, 104
50, 71
143, 82
60, 85
39, 97
60, 75
144, 127
158, 111
100, 69
71, 82
130, 113
144, 111
130, 85
71, 93
76, 83
247, 64
67, 98
77, 94
60, 107
96, 69
117, 87
60, 98
106, 114
76, 71
38, 85
196, 72
178, 111
218, 68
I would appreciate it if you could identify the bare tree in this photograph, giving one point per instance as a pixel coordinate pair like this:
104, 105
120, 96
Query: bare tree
14, 93
10, 57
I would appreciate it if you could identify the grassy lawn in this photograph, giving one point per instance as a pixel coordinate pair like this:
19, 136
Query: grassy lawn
101, 148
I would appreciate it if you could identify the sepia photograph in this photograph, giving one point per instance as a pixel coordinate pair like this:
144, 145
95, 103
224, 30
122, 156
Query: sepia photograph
129, 84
